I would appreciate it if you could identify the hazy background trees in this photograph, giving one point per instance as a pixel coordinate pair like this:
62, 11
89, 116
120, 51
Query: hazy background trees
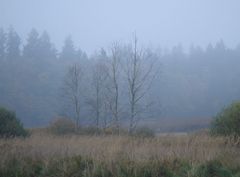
73, 90
97, 99
2, 44
12, 45
191, 87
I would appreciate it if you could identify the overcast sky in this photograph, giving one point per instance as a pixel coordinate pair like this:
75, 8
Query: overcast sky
96, 23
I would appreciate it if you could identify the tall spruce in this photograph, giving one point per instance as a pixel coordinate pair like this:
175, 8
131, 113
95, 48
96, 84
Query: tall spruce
68, 50
13, 45
31, 49
2, 43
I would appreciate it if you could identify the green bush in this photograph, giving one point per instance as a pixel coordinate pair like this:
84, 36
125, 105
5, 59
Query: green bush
227, 122
62, 126
10, 126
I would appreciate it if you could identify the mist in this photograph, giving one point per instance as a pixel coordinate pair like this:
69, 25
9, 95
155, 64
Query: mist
95, 24
194, 46
119, 88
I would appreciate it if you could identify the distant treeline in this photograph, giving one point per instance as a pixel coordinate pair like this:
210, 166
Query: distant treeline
194, 84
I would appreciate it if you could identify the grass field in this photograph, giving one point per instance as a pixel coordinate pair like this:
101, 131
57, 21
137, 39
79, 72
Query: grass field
46, 155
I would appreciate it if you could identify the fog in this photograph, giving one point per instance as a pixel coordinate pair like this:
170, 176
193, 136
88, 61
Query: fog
60, 57
94, 24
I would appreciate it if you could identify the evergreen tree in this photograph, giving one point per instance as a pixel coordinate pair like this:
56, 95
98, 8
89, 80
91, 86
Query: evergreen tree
31, 49
220, 49
68, 50
39, 47
209, 49
177, 51
2, 44
13, 45
220, 46
46, 48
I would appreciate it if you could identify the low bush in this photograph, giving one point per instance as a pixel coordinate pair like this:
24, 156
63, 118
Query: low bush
62, 126
10, 126
227, 122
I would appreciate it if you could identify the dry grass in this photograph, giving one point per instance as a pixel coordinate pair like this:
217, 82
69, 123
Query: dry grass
195, 149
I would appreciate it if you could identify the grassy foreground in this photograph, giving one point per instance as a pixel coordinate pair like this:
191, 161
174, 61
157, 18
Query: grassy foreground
44, 155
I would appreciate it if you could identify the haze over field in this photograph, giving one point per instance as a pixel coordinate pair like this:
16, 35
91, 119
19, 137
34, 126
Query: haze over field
119, 88
94, 24
193, 46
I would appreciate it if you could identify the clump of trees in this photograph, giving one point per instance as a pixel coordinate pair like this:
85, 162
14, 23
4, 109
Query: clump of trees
227, 122
113, 80
10, 126
119, 82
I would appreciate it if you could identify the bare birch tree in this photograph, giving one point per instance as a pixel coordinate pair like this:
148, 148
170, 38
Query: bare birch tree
113, 87
98, 84
72, 90
139, 71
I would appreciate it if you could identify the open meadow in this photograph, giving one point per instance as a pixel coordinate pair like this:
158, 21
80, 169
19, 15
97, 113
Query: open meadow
46, 155
119, 88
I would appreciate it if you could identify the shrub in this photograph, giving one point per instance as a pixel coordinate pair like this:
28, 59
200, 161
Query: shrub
10, 126
62, 126
143, 132
227, 122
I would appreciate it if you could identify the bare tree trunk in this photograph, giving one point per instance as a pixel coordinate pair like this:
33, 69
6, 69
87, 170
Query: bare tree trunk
132, 86
72, 90
115, 99
98, 84
114, 85
97, 107
138, 76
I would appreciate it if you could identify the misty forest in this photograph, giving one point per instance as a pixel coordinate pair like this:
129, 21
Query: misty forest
83, 93
182, 86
